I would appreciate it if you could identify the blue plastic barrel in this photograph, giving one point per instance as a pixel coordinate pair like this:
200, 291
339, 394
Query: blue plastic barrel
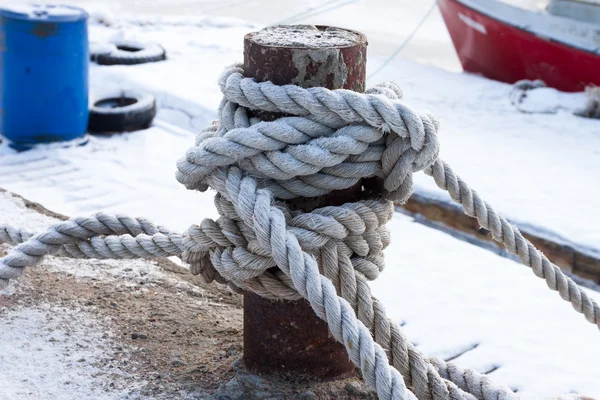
44, 60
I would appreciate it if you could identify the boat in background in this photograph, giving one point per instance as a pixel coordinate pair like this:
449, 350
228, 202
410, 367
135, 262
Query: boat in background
560, 45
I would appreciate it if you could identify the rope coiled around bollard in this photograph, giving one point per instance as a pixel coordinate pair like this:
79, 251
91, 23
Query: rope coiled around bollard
331, 141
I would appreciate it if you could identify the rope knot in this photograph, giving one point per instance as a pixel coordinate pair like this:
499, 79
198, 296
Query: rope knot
329, 140
229, 251
326, 140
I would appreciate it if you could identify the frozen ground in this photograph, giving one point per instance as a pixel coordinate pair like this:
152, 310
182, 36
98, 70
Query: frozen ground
457, 300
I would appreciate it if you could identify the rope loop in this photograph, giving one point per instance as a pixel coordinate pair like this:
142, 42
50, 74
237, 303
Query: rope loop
329, 140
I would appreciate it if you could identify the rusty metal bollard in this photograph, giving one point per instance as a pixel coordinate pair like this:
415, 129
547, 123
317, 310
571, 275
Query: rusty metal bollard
286, 338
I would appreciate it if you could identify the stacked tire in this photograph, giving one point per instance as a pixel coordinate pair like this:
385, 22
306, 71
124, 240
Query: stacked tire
122, 111
125, 110
127, 53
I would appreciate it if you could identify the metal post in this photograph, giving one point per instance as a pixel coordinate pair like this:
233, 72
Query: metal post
282, 337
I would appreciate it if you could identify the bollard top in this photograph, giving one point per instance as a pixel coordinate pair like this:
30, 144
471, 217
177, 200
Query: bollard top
307, 56
306, 37
43, 12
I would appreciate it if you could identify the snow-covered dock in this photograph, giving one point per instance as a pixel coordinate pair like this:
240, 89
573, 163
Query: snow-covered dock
458, 301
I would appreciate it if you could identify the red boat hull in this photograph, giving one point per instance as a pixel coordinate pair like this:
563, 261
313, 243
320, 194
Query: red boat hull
505, 53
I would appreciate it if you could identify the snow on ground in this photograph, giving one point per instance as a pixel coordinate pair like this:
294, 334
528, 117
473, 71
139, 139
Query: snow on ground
49, 352
66, 325
132, 174
545, 100
121, 173
197, 48
454, 296
537, 169
13, 212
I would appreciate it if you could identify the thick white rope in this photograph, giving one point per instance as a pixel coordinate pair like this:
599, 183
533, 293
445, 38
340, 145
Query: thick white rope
334, 139
507, 234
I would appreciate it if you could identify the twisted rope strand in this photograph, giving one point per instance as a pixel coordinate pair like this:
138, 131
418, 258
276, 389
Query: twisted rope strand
507, 234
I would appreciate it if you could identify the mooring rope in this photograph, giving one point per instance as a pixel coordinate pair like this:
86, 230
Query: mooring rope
331, 141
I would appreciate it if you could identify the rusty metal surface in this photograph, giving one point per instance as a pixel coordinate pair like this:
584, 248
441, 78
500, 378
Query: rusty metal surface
330, 67
286, 338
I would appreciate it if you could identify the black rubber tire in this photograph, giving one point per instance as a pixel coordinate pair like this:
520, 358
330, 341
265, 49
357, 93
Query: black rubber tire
125, 111
129, 53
